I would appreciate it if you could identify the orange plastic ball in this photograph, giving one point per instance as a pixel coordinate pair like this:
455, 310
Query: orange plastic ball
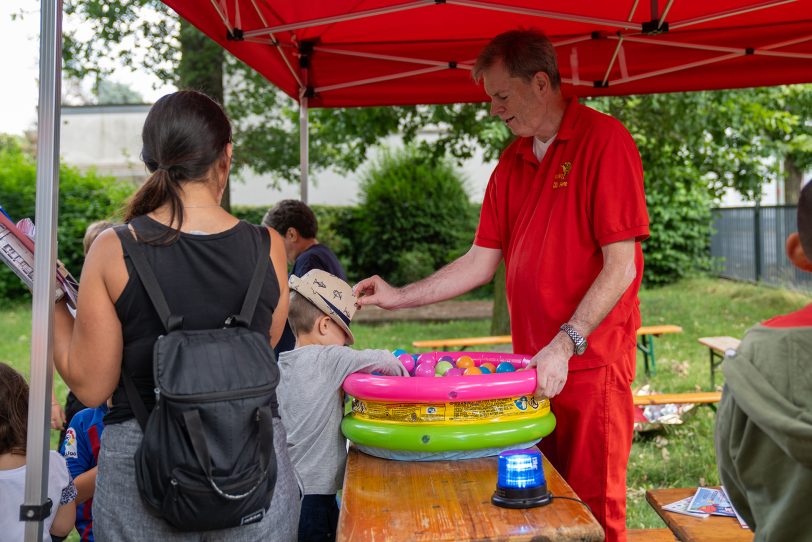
463, 362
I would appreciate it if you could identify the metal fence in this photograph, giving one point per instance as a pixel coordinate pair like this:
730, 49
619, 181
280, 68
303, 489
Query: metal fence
748, 244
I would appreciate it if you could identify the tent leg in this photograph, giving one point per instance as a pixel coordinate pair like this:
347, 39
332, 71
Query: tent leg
304, 157
39, 400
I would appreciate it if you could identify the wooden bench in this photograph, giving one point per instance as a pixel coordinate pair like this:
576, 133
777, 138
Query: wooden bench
463, 343
718, 347
699, 398
650, 535
645, 342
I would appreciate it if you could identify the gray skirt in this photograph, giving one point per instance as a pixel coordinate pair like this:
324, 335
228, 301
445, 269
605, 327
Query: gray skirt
119, 514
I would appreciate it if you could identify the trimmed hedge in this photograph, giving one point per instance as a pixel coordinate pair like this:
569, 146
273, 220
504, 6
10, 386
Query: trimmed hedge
414, 216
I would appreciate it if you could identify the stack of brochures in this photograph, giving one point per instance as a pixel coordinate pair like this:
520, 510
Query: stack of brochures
706, 502
17, 252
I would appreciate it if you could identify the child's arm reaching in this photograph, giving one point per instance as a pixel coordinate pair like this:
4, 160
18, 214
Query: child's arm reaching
65, 517
367, 361
64, 520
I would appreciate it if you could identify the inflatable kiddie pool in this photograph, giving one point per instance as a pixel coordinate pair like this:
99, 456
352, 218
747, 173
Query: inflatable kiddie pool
448, 417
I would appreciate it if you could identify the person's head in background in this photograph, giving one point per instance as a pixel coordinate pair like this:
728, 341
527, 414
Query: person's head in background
13, 411
187, 150
93, 231
321, 309
296, 223
799, 244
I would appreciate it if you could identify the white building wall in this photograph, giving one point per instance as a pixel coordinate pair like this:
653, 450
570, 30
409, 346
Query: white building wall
109, 139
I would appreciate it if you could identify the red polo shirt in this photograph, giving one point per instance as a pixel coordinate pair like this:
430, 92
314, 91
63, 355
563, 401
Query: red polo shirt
550, 220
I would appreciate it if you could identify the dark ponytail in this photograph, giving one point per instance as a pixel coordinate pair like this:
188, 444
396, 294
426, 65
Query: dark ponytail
184, 134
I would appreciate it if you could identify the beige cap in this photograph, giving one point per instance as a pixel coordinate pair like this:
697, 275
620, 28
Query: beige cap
330, 294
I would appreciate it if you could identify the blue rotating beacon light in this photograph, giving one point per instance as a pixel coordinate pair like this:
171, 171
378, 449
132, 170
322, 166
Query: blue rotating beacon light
520, 482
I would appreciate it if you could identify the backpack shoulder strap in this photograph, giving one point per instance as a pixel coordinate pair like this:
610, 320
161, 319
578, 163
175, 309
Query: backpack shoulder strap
147, 276
144, 272
249, 304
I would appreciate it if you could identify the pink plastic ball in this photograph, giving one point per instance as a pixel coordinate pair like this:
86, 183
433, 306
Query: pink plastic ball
424, 369
456, 371
427, 357
408, 362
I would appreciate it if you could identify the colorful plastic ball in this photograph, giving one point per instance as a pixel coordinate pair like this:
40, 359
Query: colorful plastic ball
472, 371
465, 362
447, 358
427, 357
397, 353
505, 367
442, 367
407, 361
484, 370
454, 371
489, 366
424, 369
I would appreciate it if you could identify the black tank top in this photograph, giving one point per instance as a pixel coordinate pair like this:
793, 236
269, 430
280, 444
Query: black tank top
204, 278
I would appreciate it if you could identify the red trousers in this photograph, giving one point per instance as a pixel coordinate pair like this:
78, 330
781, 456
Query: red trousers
593, 437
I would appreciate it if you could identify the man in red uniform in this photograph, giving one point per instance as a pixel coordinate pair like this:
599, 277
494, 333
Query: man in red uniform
565, 208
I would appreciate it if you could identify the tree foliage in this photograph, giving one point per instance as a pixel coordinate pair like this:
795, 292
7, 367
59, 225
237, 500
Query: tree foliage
413, 218
694, 147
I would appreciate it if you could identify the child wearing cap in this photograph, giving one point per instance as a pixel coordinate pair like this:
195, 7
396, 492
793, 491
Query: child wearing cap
310, 397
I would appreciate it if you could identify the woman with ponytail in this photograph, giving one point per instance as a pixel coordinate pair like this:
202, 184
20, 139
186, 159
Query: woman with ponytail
203, 259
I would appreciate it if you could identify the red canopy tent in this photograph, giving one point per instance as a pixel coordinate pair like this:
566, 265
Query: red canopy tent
395, 52
335, 53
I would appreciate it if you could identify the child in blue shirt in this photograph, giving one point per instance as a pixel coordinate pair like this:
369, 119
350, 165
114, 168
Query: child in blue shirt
81, 452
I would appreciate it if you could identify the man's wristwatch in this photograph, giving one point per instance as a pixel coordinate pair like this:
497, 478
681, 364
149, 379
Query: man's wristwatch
577, 339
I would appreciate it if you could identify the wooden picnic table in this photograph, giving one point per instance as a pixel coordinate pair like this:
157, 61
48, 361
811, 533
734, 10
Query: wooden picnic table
436, 501
692, 529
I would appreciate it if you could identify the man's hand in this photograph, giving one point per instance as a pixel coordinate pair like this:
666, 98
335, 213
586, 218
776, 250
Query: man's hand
552, 364
375, 291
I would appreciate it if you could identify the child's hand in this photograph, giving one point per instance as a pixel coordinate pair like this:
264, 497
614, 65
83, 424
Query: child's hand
395, 369
57, 416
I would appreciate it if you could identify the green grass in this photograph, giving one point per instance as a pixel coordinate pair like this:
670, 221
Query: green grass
680, 456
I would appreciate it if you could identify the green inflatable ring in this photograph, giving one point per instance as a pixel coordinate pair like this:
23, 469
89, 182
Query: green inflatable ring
444, 438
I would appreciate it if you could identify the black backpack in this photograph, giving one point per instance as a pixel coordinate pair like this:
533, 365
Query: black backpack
207, 458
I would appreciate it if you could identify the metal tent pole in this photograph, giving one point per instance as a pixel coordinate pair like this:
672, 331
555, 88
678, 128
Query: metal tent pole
304, 157
36, 506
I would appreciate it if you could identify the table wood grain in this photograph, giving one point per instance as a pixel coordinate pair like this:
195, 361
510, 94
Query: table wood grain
450, 500
691, 529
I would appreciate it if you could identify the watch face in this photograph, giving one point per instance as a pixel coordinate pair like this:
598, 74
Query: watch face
580, 348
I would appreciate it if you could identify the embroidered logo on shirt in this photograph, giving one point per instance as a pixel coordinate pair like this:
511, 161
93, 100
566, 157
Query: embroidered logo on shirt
560, 180
70, 443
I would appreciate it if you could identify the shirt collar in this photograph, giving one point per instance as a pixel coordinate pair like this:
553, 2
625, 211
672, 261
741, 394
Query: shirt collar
565, 131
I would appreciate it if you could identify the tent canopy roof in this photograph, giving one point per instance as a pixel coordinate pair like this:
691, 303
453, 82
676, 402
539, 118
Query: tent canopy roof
398, 52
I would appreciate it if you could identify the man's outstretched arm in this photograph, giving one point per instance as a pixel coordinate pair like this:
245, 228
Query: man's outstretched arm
474, 268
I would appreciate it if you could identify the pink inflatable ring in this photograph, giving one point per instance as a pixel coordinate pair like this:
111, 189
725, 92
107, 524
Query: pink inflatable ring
448, 388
